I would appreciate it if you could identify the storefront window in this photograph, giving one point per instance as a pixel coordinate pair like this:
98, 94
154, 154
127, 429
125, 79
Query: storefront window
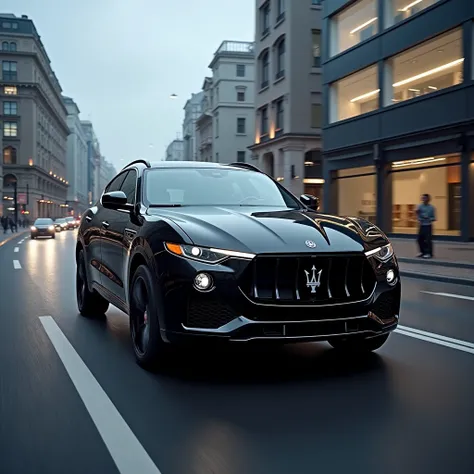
399, 10
353, 25
356, 188
432, 66
438, 176
354, 95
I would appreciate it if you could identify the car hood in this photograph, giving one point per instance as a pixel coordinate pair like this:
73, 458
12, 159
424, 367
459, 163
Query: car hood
272, 230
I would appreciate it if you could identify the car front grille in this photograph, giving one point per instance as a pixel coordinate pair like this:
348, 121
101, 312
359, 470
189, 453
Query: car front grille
309, 280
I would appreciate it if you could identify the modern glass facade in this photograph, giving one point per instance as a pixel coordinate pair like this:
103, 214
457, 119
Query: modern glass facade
399, 103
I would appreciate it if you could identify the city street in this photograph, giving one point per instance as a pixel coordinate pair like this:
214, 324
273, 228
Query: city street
73, 400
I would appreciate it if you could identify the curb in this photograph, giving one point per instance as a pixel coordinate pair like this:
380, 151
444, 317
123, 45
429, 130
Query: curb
12, 237
438, 263
435, 277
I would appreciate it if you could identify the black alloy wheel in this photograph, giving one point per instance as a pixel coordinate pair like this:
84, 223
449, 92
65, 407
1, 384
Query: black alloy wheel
147, 342
89, 303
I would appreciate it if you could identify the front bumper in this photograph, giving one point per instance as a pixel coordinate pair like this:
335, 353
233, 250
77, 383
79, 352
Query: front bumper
227, 314
42, 233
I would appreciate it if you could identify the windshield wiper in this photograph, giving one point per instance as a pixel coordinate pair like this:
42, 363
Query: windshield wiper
165, 205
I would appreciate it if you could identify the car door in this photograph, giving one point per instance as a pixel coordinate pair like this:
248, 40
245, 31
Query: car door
118, 230
101, 216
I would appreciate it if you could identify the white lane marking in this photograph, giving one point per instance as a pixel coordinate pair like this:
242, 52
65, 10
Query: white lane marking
125, 449
449, 295
16, 264
16, 249
438, 336
436, 341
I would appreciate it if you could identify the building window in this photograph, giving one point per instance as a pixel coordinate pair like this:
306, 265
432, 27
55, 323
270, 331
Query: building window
241, 125
356, 189
240, 96
429, 67
10, 108
10, 90
9, 156
12, 46
316, 116
10, 129
265, 18
353, 25
438, 176
9, 71
354, 95
316, 48
280, 10
265, 68
264, 121
280, 59
241, 156
399, 10
240, 70
280, 116
5, 46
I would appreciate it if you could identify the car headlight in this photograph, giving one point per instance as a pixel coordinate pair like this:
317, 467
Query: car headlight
33, 228
206, 255
383, 254
51, 227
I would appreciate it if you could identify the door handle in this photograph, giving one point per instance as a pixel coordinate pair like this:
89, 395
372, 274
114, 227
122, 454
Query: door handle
105, 224
88, 218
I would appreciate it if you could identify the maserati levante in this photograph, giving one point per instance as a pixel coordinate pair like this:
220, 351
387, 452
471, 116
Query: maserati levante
211, 252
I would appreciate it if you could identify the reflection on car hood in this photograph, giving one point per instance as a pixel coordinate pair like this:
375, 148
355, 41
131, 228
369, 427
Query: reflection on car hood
272, 230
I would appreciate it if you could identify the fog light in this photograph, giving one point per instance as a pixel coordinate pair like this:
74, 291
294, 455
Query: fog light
391, 278
203, 282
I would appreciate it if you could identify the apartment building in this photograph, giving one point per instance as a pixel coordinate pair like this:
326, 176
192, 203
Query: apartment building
399, 112
204, 123
93, 157
192, 111
77, 160
288, 100
175, 150
33, 122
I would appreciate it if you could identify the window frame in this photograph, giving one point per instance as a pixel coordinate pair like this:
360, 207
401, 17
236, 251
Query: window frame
265, 69
15, 127
10, 74
240, 121
241, 68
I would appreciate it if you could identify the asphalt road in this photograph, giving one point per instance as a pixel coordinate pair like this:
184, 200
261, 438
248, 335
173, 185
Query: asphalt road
72, 399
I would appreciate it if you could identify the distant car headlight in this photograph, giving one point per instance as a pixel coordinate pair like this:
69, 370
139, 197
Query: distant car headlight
383, 254
33, 228
206, 255
51, 227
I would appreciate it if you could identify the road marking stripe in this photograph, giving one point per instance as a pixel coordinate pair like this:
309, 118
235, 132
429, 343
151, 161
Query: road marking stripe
450, 295
16, 249
125, 449
438, 336
436, 341
16, 265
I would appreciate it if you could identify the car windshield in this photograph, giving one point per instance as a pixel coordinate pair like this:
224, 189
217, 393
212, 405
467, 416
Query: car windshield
43, 221
69, 219
60, 221
214, 187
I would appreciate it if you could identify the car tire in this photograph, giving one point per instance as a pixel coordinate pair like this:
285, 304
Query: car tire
53, 236
359, 345
145, 332
89, 303
32, 237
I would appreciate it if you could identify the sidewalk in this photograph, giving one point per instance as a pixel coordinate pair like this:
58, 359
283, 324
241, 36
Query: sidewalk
4, 238
453, 262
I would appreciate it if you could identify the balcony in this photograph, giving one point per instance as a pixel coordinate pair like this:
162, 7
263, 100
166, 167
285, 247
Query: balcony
205, 143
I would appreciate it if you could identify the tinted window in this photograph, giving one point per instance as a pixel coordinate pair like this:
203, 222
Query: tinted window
129, 186
214, 187
116, 183
43, 221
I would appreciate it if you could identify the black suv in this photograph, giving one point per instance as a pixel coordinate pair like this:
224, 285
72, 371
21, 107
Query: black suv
205, 251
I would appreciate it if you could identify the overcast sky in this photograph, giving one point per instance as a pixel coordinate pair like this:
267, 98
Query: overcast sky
121, 59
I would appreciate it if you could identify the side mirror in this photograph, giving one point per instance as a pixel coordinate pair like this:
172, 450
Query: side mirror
115, 200
310, 201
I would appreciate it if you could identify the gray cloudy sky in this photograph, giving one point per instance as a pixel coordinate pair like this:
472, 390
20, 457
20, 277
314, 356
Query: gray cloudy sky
121, 59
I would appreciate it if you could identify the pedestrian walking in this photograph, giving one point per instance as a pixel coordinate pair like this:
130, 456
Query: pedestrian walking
426, 214
4, 224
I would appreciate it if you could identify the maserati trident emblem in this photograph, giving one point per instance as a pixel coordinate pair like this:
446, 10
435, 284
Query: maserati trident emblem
313, 280
310, 244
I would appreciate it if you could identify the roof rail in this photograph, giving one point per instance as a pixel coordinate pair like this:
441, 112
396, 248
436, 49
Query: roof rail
246, 166
143, 162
